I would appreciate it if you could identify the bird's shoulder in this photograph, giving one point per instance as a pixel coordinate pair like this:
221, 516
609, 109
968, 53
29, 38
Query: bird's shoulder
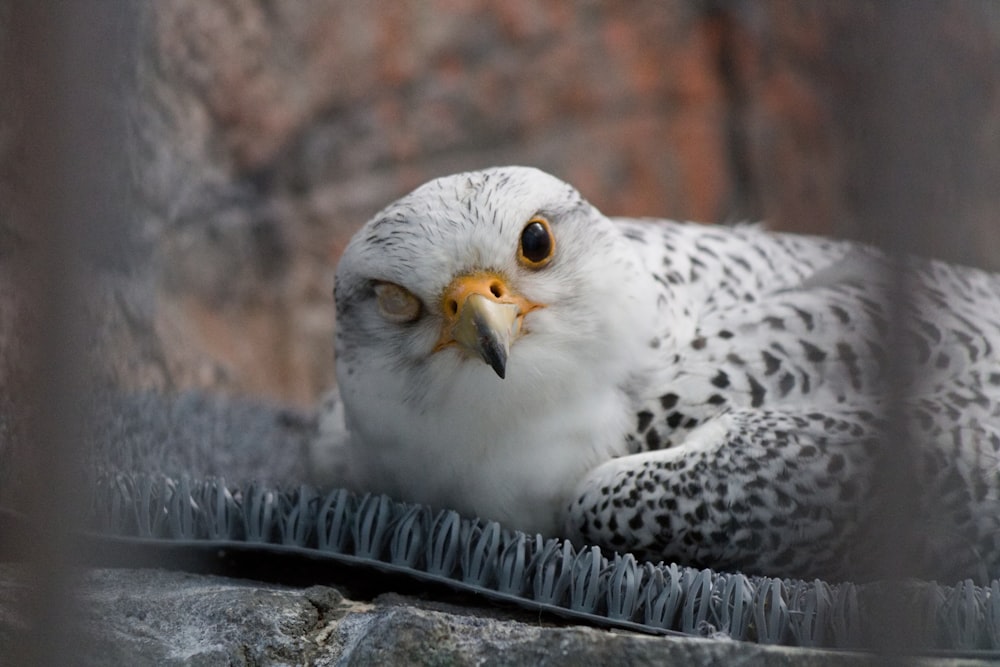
755, 319
741, 261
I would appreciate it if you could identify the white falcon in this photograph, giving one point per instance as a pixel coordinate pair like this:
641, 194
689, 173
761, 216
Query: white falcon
708, 395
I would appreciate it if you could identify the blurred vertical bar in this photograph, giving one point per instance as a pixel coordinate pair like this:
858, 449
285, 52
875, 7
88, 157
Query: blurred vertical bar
905, 200
64, 97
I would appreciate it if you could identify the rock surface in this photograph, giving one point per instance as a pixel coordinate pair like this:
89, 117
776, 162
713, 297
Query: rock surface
261, 134
157, 617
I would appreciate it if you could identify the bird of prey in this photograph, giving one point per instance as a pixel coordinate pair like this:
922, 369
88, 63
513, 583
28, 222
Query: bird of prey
714, 396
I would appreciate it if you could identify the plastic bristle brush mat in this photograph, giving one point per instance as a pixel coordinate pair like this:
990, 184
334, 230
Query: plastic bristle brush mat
377, 533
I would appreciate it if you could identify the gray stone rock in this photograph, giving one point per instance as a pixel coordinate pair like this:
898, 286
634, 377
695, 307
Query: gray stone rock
158, 617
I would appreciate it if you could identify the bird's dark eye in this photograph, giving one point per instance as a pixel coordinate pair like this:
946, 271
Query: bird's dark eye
537, 244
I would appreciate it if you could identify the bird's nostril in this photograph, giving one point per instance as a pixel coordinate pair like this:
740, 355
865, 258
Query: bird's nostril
496, 289
452, 306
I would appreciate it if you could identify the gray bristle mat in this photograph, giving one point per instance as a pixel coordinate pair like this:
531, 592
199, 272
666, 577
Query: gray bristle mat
480, 556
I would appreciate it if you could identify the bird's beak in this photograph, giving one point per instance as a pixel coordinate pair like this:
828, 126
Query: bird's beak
484, 316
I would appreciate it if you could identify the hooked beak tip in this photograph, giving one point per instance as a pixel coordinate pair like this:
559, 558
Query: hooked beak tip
496, 357
487, 328
493, 343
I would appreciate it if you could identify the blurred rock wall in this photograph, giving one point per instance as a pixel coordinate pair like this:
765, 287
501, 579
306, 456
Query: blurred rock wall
263, 133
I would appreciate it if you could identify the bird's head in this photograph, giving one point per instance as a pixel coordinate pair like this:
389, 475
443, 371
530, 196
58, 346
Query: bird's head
479, 286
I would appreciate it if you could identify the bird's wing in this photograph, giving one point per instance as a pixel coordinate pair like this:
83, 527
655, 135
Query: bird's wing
765, 492
785, 347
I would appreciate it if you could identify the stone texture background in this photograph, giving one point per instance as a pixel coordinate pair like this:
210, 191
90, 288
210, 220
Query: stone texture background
262, 134
155, 617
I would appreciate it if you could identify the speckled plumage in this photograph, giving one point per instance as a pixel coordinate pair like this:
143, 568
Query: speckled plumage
703, 394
